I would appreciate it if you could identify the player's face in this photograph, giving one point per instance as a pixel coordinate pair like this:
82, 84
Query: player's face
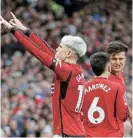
117, 62
61, 53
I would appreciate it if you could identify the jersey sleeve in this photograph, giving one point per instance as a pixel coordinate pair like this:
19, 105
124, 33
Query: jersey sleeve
60, 68
122, 111
38, 41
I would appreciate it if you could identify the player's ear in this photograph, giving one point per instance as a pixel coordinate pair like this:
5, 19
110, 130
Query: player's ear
69, 54
109, 67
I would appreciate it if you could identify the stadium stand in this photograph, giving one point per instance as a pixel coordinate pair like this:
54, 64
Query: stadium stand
25, 83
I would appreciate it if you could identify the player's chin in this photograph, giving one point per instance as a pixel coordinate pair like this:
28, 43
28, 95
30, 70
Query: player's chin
118, 69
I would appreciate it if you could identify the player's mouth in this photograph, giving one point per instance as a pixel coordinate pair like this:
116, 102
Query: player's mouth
117, 67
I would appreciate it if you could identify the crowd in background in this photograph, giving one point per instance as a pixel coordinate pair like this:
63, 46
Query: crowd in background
25, 82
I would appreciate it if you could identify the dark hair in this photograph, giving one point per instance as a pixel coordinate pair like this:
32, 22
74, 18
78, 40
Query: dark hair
116, 47
98, 62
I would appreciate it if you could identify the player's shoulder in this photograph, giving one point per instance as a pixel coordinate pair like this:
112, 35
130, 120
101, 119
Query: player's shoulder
102, 81
89, 81
121, 75
77, 70
112, 82
75, 67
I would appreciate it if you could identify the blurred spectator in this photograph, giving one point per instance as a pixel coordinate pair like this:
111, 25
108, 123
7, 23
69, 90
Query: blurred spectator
25, 83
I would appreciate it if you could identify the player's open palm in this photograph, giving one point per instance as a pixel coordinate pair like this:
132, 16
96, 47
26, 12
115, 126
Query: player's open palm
16, 23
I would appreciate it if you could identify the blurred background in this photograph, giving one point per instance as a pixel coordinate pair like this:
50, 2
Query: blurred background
25, 82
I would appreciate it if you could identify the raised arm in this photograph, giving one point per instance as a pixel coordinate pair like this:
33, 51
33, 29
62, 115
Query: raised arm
34, 37
62, 69
37, 40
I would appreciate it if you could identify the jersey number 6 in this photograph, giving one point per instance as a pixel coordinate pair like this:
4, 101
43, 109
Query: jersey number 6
94, 108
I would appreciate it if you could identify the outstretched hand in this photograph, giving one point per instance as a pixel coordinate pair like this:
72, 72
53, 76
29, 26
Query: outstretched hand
16, 23
5, 23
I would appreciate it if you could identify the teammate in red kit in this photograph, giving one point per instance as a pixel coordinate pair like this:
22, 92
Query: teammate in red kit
118, 51
104, 101
68, 83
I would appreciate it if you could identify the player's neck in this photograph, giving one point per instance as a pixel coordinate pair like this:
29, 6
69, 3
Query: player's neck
115, 73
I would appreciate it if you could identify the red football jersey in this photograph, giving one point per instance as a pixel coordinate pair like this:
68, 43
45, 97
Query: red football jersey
67, 88
120, 80
67, 102
103, 104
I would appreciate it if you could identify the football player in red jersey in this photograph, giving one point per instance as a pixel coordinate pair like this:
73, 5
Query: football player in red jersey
103, 101
68, 83
118, 52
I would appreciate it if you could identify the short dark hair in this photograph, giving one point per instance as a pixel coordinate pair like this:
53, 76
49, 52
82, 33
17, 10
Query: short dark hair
98, 62
116, 47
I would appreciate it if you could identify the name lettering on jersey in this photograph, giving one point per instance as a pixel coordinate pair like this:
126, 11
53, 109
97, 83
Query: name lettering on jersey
79, 77
98, 86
